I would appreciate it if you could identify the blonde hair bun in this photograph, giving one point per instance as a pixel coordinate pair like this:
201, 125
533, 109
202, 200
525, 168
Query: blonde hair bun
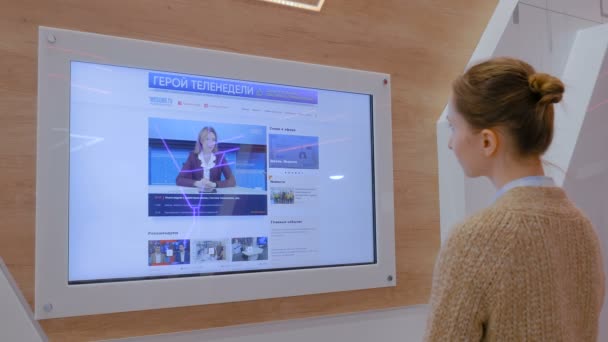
549, 89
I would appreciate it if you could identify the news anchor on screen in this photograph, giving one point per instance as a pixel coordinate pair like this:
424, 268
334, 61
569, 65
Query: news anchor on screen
182, 256
204, 167
157, 257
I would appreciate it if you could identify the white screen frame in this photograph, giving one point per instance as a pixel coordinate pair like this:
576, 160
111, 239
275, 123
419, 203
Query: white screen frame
57, 47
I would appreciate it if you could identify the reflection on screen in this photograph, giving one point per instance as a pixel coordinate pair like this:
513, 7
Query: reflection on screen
184, 175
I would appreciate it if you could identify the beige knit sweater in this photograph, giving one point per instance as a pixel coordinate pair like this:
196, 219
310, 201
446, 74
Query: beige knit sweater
528, 268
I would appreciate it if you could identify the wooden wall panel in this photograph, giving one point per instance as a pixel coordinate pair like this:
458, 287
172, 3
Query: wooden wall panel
423, 44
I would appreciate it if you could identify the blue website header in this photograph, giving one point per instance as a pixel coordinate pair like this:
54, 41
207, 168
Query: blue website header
230, 88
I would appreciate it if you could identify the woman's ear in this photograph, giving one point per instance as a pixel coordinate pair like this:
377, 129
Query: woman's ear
489, 141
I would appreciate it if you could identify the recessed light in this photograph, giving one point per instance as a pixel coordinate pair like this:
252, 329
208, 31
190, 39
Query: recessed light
298, 4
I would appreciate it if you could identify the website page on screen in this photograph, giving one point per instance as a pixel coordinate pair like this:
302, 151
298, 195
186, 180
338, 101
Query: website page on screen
182, 175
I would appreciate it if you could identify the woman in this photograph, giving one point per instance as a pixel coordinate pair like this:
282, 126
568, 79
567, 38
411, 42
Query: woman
204, 166
529, 267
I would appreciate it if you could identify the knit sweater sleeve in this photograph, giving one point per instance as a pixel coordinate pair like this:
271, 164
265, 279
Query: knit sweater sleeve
459, 308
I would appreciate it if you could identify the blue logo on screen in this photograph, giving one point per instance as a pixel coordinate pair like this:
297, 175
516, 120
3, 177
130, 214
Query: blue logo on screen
161, 101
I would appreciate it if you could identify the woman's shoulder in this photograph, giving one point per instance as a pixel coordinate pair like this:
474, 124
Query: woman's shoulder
479, 242
484, 219
192, 156
482, 228
192, 161
221, 159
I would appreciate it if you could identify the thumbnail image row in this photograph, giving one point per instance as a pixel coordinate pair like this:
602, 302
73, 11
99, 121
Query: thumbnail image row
180, 252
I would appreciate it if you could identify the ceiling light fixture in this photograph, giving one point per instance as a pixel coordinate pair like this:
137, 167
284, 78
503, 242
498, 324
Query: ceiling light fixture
300, 5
